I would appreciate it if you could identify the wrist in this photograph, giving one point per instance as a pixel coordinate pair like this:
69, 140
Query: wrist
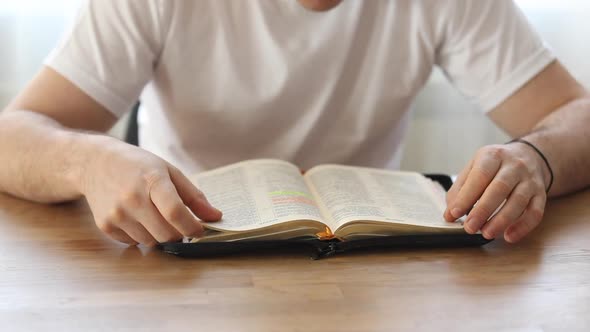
543, 162
83, 151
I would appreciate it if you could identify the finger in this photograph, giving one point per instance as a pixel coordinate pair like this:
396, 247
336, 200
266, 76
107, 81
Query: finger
121, 236
138, 206
528, 221
157, 225
514, 207
193, 197
137, 232
482, 173
111, 226
493, 197
455, 188
171, 207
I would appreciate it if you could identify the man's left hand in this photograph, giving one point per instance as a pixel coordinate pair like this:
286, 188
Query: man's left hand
504, 187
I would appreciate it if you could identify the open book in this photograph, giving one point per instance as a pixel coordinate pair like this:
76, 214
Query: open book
270, 200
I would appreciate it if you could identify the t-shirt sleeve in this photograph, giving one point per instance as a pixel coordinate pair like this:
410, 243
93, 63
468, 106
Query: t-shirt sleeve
489, 50
111, 50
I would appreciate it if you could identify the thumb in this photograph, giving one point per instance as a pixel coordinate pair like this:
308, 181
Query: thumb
193, 197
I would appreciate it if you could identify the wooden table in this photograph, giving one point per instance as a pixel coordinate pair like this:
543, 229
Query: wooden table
59, 273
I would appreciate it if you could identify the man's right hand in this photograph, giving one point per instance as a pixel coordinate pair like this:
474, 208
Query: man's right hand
49, 154
137, 197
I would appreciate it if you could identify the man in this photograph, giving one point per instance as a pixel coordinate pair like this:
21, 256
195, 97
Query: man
310, 81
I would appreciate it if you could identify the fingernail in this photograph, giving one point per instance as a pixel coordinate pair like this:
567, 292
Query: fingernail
487, 232
467, 221
474, 225
456, 213
509, 235
216, 210
446, 214
467, 226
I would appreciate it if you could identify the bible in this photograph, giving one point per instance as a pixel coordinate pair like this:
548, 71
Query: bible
268, 203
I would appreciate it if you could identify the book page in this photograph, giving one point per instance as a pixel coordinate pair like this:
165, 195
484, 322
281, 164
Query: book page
257, 193
353, 193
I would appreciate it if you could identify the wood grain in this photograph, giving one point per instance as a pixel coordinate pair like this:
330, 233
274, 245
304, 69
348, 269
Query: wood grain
59, 273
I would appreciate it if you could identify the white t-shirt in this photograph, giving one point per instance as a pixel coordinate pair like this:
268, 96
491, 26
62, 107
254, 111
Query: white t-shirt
226, 80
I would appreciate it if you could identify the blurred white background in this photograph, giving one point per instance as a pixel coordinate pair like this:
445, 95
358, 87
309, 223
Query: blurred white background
446, 130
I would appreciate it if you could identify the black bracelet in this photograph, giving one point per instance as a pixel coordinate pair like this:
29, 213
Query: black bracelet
520, 140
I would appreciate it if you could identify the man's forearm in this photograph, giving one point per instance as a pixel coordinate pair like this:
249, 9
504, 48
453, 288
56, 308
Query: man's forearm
563, 137
39, 159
